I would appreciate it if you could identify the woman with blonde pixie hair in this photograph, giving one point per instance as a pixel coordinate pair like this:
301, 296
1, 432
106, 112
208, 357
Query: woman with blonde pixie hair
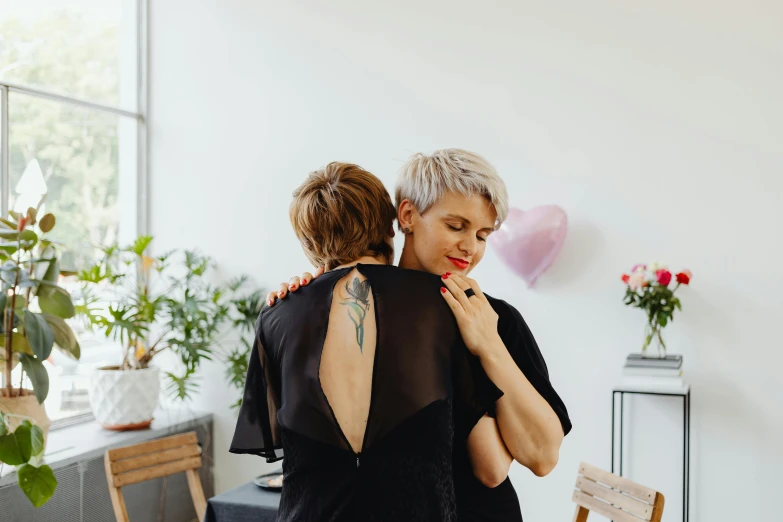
362, 378
448, 203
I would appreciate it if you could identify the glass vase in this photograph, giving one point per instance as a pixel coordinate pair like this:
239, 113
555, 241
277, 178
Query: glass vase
653, 346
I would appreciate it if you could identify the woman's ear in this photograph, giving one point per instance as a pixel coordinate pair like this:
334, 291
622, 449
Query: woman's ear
405, 214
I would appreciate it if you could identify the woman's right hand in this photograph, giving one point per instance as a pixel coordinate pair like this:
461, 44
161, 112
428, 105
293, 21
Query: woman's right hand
292, 285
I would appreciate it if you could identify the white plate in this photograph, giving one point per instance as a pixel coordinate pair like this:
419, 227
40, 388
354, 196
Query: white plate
269, 480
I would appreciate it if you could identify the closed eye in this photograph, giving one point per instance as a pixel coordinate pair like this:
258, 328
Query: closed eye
455, 229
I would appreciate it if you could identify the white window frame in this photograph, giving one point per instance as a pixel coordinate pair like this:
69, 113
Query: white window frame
142, 140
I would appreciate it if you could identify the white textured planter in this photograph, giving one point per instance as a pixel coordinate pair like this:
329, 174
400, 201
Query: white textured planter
124, 399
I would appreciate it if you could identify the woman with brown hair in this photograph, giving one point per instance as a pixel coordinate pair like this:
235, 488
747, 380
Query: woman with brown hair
362, 378
448, 203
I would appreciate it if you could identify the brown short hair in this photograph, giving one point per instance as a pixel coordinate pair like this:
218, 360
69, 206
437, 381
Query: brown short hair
341, 213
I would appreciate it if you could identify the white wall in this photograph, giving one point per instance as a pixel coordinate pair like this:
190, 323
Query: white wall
656, 125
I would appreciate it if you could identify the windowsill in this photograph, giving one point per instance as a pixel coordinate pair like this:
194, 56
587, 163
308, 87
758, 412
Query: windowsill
85, 440
66, 422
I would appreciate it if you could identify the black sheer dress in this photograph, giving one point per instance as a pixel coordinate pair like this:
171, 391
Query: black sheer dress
426, 396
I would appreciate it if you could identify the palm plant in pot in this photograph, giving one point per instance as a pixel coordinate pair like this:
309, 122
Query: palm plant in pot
152, 306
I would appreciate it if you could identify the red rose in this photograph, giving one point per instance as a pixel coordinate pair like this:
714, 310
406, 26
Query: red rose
664, 277
684, 277
625, 278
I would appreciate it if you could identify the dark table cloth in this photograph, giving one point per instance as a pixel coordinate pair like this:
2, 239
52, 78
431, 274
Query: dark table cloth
246, 503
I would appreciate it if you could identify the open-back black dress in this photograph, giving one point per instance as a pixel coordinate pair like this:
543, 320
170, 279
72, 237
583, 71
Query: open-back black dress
426, 396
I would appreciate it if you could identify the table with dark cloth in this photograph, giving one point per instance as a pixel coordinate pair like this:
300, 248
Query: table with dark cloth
246, 503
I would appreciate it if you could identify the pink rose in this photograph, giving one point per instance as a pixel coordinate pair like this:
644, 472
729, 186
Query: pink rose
636, 280
664, 277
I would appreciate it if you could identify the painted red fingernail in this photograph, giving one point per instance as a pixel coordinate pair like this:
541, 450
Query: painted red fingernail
304, 282
445, 276
442, 289
270, 302
448, 273
280, 294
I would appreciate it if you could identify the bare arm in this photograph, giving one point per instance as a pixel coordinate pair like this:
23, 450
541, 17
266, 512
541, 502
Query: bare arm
530, 428
489, 456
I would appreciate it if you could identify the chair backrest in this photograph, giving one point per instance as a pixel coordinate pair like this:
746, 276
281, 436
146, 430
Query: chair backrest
614, 497
155, 459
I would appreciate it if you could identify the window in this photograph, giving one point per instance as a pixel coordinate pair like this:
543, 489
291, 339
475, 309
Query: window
72, 93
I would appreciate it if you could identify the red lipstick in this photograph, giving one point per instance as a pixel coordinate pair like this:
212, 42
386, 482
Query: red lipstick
459, 263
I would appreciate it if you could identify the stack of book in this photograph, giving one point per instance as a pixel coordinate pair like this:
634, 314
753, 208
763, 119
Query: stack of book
652, 371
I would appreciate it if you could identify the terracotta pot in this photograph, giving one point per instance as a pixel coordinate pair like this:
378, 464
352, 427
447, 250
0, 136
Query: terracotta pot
26, 405
124, 399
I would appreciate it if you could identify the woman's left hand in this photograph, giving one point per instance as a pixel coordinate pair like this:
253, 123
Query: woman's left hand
477, 320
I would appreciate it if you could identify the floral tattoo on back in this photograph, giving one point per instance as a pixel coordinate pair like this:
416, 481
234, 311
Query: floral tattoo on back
358, 304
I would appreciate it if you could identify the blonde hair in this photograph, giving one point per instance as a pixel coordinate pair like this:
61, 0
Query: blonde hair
423, 179
341, 213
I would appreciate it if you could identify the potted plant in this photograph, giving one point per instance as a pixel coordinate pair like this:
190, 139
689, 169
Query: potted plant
34, 312
155, 305
649, 287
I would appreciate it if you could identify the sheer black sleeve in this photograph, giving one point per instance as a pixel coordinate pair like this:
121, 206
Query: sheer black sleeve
474, 393
257, 430
522, 346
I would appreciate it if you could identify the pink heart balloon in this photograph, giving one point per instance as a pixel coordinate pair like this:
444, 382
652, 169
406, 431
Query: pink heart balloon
528, 241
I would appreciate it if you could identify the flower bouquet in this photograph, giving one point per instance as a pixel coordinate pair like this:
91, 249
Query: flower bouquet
650, 287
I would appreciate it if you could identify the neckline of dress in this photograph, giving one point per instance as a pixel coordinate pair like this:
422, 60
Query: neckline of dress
356, 266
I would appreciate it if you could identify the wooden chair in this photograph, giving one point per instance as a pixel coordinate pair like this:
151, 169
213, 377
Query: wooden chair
614, 497
155, 459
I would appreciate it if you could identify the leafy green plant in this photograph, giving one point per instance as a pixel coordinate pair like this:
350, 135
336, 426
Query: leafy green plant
23, 447
244, 313
155, 305
34, 306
